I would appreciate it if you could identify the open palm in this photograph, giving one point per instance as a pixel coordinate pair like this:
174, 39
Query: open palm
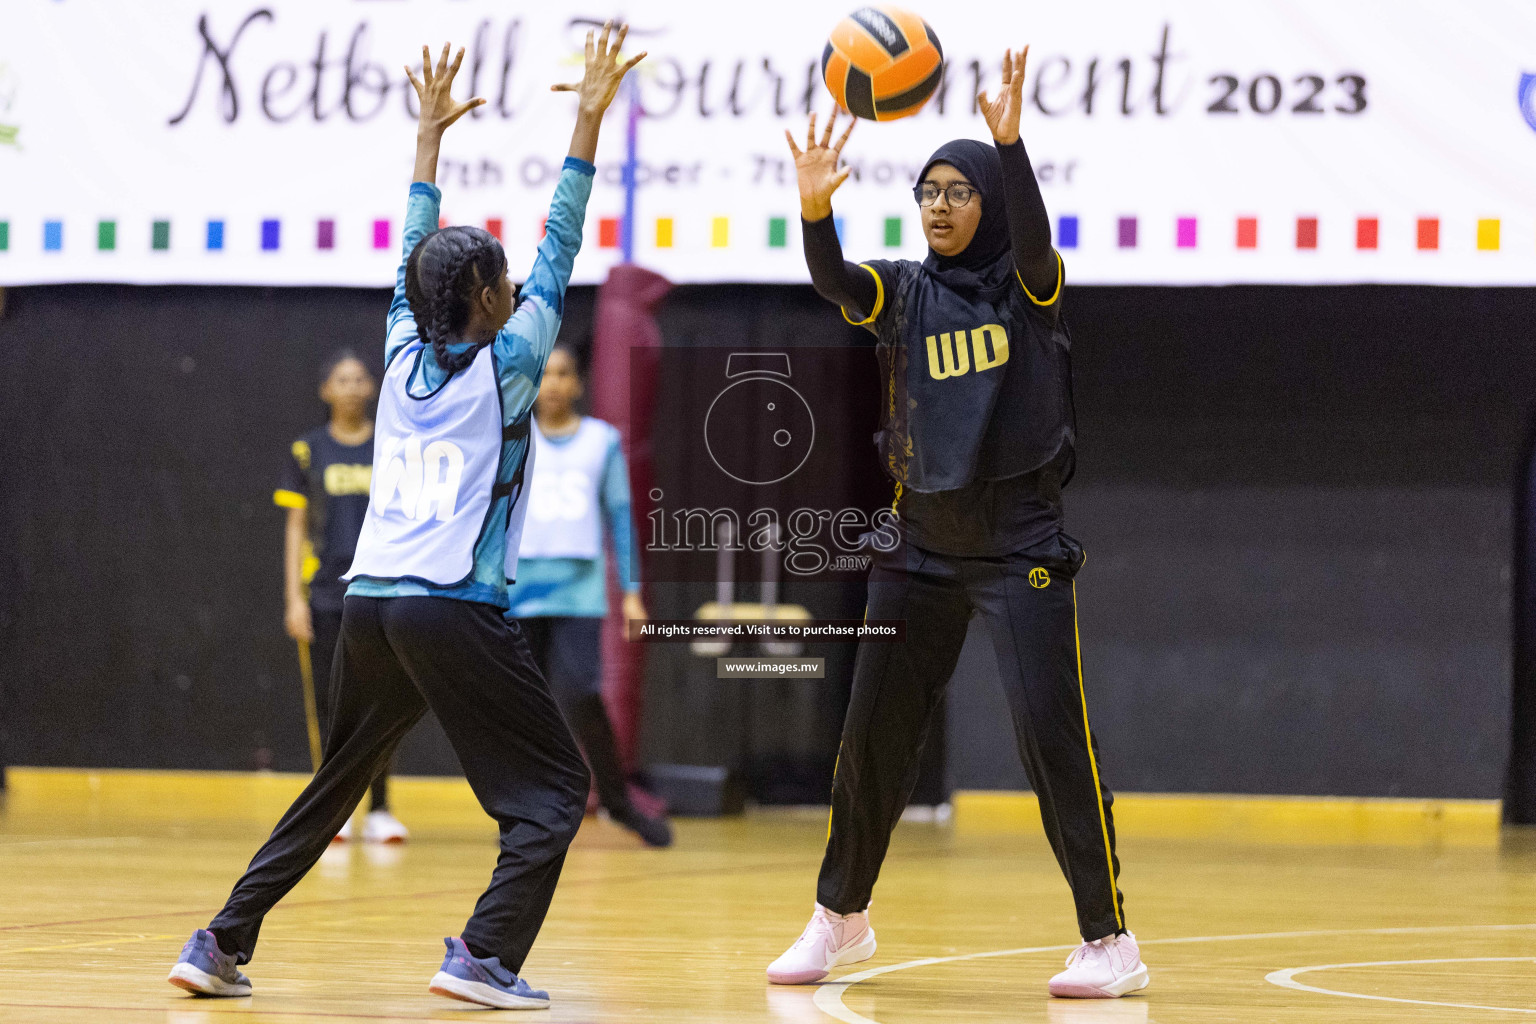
438, 107
603, 71
1002, 113
816, 166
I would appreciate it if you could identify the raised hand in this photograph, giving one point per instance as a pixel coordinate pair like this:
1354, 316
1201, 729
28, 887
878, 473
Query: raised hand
438, 108
1002, 113
600, 81
816, 166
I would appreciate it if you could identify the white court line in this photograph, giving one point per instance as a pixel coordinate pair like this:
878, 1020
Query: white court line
829, 995
1287, 979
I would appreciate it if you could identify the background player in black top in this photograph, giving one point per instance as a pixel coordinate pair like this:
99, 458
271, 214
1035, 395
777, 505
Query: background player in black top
977, 433
324, 487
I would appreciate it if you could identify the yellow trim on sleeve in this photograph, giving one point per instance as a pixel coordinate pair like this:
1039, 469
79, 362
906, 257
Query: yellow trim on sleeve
1061, 274
879, 299
289, 499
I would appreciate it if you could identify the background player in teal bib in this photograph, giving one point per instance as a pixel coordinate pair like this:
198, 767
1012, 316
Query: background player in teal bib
977, 433
580, 486
324, 487
422, 619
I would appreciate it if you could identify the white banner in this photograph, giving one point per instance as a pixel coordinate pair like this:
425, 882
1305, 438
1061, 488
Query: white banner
1176, 141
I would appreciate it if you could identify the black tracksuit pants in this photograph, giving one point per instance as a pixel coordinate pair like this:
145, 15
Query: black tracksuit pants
322, 652
398, 657
568, 650
1028, 601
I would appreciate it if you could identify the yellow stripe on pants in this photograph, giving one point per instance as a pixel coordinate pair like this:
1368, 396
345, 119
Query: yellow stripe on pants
1098, 792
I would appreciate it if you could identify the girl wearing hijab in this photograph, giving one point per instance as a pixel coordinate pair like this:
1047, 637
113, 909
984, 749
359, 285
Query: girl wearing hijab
977, 433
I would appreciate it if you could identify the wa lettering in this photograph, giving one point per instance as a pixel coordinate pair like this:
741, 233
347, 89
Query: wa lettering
424, 478
951, 355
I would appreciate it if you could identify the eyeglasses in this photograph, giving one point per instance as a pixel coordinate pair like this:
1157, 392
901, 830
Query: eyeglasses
927, 193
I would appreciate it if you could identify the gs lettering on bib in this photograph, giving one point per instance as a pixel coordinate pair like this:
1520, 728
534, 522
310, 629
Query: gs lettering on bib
564, 502
434, 471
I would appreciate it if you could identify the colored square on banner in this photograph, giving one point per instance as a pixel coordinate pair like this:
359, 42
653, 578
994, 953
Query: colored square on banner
106, 235
215, 235
1488, 235
381, 234
493, 225
1367, 232
778, 232
1187, 237
1429, 232
1066, 232
5, 235
442, 222
543, 226
892, 232
53, 235
1247, 232
663, 232
720, 232
1306, 232
608, 233
837, 225
1127, 232
160, 235
271, 234
325, 234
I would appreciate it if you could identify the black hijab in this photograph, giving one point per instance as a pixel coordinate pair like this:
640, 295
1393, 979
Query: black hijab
981, 269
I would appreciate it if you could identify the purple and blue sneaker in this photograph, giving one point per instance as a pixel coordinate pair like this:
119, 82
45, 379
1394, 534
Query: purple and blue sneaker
206, 970
485, 981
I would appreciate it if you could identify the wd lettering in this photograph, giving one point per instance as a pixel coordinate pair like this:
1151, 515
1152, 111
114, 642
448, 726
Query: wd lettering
950, 356
423, 477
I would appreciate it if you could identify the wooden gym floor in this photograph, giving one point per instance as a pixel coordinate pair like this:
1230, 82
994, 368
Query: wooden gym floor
1247, 910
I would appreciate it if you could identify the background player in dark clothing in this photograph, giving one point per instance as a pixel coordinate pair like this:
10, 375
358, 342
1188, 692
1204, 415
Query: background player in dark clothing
977, 433
578, 491
324, 487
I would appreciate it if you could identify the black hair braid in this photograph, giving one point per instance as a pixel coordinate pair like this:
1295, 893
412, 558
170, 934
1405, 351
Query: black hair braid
443, 274
441, 319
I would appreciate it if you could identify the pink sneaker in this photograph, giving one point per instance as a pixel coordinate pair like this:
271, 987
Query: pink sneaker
830, 940
1105, 968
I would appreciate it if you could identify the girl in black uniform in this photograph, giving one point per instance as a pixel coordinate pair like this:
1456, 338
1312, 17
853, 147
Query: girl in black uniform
324, 487
977, 433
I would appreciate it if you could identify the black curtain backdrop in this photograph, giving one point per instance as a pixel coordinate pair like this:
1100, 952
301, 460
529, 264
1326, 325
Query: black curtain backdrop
1297, 504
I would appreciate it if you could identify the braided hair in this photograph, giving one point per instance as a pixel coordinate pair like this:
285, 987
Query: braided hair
443, 275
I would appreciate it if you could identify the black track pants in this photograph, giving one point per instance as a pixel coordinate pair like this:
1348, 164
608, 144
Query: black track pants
399, 656
322, 652
1028, 601
568, 650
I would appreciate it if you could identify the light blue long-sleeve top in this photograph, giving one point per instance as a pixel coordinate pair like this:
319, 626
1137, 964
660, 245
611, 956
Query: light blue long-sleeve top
577, 587
519, 353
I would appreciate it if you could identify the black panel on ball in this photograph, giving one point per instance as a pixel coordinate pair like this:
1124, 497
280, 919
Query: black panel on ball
913, 97
859, 93
882, 30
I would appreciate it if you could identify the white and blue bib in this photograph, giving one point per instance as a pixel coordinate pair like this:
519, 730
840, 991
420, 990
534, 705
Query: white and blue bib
434, 474
564, 505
